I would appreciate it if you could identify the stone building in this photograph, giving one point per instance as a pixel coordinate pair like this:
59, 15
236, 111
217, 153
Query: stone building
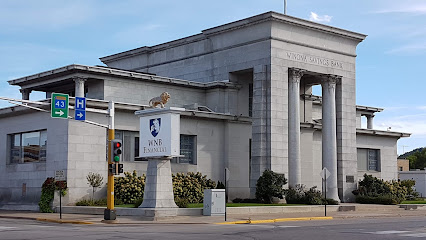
247, 90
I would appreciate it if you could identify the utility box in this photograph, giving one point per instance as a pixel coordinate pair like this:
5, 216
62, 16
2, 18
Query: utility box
214, 202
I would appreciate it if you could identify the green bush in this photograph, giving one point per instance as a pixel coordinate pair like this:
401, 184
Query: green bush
411, 192
374, 190
129, 188
138, 202
190, 186
181, 202
269, 185
48, 193
96, 202
220, 185
300, 195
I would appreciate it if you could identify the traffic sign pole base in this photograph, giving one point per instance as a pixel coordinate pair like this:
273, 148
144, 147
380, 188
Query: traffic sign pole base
110, 214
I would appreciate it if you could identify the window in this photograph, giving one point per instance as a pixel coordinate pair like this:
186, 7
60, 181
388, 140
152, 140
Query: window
188, 149
400, 169
251, 100
28, 147
368, 159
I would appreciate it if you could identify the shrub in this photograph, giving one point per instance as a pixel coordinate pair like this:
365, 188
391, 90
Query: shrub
95, 180
374, 190
96, 202
129, 188
411, 192
269, 185
190, 186
181, 202
138, 202
48, 193
300, 195
220, 185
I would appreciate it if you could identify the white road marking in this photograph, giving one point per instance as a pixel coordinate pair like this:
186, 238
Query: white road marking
4, 228
413, 235
388, 232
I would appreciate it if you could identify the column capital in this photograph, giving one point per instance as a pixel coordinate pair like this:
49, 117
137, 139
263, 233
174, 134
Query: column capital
331, 78
25, 90
79, 79
296, 74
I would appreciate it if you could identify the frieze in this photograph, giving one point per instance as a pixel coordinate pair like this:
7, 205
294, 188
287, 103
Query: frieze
314, 60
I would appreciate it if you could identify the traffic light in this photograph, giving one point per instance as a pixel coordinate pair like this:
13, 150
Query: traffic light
116, 150
120, 168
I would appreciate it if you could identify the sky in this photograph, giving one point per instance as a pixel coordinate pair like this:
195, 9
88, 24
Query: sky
40, 35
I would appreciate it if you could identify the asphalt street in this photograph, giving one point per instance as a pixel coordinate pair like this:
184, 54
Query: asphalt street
347, 229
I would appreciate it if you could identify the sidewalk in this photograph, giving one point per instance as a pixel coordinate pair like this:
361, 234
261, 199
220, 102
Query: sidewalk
362, 211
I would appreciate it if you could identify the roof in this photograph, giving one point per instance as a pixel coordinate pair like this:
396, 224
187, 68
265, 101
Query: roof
67, 72
268, 16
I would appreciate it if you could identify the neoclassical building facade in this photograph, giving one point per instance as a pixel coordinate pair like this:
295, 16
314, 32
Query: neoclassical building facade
247, 87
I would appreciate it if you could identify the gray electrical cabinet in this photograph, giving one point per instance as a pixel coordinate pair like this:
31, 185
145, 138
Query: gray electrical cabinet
214, 202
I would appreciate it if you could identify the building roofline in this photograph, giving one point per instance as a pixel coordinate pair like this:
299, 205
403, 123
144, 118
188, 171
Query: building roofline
268, 16
318, 100
382, 133
99, 70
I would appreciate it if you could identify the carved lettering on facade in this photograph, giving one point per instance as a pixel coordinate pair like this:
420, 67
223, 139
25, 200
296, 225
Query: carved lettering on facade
314, 60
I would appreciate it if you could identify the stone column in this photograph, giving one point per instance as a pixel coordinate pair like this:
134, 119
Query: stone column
329, 137
79, 86
370, 121
25, 93
158, 192
294, 162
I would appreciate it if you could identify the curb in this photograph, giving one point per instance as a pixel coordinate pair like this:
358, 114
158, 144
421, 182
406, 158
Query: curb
276, 220
62, 221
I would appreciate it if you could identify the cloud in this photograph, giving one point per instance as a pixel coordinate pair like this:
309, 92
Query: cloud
412, 49
317, 18
413, 9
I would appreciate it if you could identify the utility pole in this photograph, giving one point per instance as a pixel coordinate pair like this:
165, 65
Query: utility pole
403, 148
109, 213
285, 7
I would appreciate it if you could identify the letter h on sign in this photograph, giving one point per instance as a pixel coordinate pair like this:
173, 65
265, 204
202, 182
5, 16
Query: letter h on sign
80, 108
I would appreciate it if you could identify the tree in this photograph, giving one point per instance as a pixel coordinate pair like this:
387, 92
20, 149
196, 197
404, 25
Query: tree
418, 159
269, 185
95, 180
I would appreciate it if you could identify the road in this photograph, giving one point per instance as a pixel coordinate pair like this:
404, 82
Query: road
347, 229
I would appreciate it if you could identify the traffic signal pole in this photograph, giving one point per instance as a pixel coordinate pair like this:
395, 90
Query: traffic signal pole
109, 213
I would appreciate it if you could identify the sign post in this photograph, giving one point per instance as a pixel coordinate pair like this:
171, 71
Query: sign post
60, 176
324, 175
59, 105
80, 109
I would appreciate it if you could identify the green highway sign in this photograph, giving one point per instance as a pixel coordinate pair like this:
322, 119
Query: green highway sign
59, 105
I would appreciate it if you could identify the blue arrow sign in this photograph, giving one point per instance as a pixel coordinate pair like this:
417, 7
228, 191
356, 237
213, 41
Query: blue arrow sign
80, 108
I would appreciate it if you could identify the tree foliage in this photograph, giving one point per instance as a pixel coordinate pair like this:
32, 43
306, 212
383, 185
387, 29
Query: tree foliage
269, 185
95, 180
418, 159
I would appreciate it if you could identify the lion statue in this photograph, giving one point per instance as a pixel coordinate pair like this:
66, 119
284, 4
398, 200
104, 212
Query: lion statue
161, 100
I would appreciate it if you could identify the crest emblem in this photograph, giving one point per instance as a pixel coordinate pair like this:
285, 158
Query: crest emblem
154, 126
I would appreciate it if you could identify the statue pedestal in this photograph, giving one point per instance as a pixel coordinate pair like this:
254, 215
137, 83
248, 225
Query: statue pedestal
158, 191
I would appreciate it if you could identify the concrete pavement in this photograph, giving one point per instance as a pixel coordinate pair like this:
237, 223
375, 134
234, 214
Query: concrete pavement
249, 217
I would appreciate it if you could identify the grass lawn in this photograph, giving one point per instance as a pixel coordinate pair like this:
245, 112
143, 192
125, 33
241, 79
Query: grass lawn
200, 205
414, 202
125, 205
